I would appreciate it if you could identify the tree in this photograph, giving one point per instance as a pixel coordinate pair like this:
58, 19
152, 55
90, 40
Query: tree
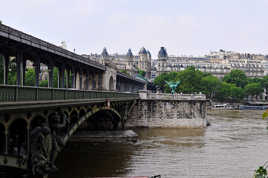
224, 92
30, 77
160, 81
190, 80
236, 93
264, 82
210, 84
142, 72
253, 89
236, 77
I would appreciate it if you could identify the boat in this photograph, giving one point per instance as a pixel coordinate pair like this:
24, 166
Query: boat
252, 107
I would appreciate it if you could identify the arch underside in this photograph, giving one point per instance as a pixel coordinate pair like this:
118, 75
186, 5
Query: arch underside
31, 133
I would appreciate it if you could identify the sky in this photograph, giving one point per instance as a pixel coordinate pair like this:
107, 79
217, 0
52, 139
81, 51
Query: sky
183, 27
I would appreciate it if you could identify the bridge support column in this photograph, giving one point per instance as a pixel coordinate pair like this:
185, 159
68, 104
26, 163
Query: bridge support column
50, 76
77, 78
80, 80
6, 64
20, 68
90, 78
37, 72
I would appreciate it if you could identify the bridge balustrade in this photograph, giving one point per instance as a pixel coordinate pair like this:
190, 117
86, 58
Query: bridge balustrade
11, 93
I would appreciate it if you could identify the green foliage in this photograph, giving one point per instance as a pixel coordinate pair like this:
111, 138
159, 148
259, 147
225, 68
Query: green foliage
124, 71
190, 80
142, 72
43, 83
236, 77
264, 82
160, 80
55, 77
210, 85
261, 172
253, 89
193, 80
30, 77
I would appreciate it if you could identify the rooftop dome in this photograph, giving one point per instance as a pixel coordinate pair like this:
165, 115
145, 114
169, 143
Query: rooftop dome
143, 51
129, 53
104, 53
162, 53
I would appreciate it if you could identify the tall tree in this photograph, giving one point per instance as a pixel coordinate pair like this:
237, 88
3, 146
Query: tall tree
210, 84
236, 77
253, 89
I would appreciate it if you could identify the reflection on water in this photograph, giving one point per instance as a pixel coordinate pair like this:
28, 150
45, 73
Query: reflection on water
233, 146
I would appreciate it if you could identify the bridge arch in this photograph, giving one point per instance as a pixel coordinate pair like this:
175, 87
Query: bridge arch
18, 138
92, 117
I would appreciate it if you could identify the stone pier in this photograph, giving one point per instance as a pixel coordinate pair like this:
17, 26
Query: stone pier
168, 111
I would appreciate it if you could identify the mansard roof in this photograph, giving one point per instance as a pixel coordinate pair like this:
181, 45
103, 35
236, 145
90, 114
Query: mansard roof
143, 51
162, 53
104, 53
129, 53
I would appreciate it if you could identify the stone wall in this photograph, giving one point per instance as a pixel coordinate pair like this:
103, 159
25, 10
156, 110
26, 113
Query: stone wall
180, 113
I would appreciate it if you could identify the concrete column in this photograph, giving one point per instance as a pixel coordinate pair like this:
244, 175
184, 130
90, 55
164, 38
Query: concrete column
77, 80
20, 68
87, 80
50, 76
83, 80
61, 76
37, 71
5, 65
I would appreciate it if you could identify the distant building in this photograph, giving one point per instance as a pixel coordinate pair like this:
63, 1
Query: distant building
217, 63
126, 62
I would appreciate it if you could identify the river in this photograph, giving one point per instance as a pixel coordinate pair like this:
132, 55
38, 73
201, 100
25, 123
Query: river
233, 146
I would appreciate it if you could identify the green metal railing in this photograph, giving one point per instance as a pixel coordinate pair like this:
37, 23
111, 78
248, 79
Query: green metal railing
10, 93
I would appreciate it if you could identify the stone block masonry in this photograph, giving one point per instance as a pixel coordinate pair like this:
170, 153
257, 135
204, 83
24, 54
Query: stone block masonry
178, 111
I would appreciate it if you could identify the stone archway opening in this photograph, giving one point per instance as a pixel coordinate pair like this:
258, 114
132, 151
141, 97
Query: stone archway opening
2, 139
111, 83
17, 140
103, 120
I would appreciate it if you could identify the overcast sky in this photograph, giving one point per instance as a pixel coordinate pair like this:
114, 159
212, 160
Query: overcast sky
189, 27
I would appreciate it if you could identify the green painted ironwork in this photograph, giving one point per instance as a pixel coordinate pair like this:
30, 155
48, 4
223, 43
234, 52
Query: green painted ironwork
10, 93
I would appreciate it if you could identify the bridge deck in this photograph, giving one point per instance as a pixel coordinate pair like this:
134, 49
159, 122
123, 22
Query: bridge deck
17, 97
7, 32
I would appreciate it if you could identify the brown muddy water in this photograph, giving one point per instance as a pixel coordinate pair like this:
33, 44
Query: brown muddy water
233, 146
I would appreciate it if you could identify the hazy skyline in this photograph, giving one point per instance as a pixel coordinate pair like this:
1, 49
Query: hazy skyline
190, 27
